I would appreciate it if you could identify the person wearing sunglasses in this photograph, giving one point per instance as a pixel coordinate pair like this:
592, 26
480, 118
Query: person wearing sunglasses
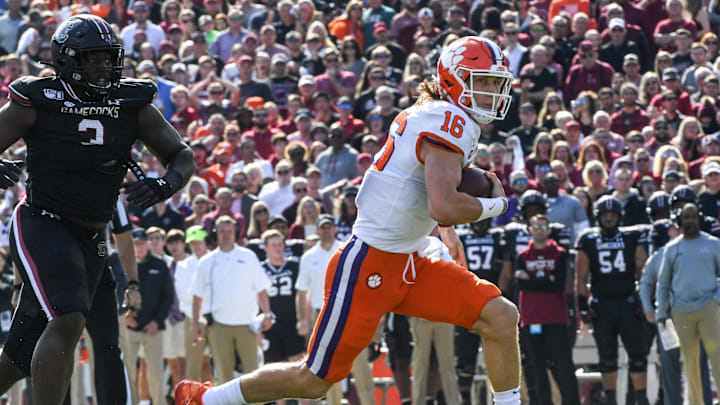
335, 82
351, 125
541, 270
393, 53
589, 74
339, 161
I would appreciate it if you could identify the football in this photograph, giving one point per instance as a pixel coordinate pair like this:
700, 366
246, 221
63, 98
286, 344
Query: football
475, 183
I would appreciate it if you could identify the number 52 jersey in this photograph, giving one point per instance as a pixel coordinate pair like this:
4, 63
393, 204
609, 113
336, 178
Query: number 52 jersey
392, 203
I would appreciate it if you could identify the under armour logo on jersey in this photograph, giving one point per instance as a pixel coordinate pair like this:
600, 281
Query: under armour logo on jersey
161, 182
374, 280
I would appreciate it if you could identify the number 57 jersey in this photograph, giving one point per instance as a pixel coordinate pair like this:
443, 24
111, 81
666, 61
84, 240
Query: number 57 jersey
392, 203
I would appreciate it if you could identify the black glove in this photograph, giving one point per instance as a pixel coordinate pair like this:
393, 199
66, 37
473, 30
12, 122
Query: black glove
147, 192
10, 171
584, 309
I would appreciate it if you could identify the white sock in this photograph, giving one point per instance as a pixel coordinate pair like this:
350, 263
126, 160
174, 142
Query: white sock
226, 394
509, 397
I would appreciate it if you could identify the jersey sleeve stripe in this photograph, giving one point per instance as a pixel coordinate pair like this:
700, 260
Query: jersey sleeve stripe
19, 97
436, 140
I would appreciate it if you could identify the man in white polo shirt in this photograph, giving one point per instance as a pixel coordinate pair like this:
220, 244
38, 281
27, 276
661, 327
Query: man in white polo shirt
233, 281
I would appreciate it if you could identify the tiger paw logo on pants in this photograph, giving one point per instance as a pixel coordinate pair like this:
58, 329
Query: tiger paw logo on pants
374, 280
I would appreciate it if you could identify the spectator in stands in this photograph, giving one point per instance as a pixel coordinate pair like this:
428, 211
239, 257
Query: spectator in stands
163, 216
278, 194
334, 81
666, 30
590, 74
200, 206
709, 199
141, 14
614, 51
542, 148
595, 178
306, 216
562, 208
223, 203
299, 190
234, 298
375, 12
405, 24
303, 121
349, 23
339, 161
631, 117
699, 56
688, 138
708, 147
551, 105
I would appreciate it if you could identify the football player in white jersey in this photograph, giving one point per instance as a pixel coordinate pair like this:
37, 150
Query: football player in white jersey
411, 189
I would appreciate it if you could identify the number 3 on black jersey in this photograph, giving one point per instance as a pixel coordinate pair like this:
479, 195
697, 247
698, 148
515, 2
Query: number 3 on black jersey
92, 126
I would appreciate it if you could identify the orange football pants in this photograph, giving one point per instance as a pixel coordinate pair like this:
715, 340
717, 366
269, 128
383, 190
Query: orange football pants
363, 283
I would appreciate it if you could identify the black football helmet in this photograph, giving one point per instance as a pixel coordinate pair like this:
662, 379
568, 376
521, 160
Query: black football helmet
658, 206
681, 195
531, 197
73, 43
607, 204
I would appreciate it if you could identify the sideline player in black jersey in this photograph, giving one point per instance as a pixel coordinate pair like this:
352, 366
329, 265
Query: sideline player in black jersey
659, 231
613, 259
483, 253
285, 343
293, 247
79, 127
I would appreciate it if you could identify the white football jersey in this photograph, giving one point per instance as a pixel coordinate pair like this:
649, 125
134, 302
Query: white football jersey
393, 203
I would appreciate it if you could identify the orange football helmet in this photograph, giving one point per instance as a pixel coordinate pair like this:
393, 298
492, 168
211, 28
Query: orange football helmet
462, 61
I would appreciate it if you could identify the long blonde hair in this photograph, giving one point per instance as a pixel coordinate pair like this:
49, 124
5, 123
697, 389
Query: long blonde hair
299, 220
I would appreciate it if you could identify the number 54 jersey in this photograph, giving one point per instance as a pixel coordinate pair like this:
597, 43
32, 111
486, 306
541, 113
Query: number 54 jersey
75, 149
393, 202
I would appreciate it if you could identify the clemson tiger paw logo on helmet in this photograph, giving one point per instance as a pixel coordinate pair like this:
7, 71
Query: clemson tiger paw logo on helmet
453, 55
374, 280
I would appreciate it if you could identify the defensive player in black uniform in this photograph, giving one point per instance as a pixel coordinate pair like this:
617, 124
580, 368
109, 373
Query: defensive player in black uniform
285, 343
79, 127
517, 237
678, 198
613, 259
293, 247
484, 254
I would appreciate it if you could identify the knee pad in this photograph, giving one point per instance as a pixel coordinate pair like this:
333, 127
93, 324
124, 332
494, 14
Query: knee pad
608, 365
638, 364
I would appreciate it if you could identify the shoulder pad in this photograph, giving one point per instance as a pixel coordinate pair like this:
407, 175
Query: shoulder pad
560, 228
138, 90
496, 231
25, 89
590, 233
463, 233
514, 227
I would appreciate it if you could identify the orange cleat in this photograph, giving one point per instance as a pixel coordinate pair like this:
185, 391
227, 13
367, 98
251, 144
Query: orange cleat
188, 392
